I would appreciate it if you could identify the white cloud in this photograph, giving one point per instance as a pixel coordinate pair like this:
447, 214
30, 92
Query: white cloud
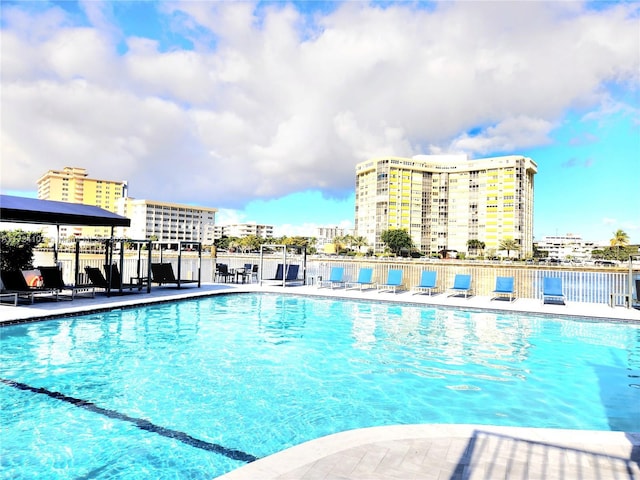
270, 102
507, 136
226, 216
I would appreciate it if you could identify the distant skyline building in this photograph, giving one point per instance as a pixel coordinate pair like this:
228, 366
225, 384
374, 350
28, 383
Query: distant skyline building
444, 201
167, 223
325, 237
73, 185
241, 230
569, 246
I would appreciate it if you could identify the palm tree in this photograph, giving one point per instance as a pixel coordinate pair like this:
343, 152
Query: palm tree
509, 244
620, 239
358, 242
339, 242
475, 244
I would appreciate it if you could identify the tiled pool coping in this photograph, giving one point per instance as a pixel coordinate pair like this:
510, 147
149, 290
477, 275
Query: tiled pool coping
452, 452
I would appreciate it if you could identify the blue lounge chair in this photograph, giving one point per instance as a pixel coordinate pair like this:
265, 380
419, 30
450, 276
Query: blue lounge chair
292, 273
427, 283
504, 288
279, 272
364, 279
461, 284
336, 278
552, 288
394, 281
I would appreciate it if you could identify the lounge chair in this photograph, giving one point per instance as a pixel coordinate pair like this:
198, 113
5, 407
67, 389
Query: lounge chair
552, 288
98, 280
279, 272
364, 279
96, 277
428, 282
461, 284
52, 278
336, 278
113, 275
14, 282
291, 275
504, 288
394, 281
162, 273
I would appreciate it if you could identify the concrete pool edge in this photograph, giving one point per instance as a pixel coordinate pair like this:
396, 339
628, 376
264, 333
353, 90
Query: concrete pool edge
452, 451
50, 310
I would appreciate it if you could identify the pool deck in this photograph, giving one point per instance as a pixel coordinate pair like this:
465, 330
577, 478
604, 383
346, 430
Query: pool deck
438, 452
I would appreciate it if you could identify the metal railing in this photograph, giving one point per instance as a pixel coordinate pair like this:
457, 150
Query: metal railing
580, 284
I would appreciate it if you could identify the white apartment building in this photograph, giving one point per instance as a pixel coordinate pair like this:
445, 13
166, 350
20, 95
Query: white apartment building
567, 246
165, 222
325, 236
241, 230
444, 201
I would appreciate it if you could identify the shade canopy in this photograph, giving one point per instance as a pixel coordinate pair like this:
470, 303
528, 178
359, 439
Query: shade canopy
49, 212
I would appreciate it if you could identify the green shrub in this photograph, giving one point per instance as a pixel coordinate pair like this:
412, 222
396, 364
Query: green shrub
16, 249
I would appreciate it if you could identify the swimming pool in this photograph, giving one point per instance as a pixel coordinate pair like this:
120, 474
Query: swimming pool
201, 387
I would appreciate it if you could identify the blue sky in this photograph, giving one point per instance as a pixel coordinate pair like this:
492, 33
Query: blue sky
263, 109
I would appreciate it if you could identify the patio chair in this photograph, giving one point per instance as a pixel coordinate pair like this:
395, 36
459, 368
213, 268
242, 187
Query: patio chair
552, 289
364, 279
254, 272
162, 273
428, 282
504, 288
336, 278
222, 272
394, 281
14, 282
52, 278
245, 272
461, 284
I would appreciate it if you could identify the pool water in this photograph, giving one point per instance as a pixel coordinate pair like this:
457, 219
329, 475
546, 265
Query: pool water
194, 389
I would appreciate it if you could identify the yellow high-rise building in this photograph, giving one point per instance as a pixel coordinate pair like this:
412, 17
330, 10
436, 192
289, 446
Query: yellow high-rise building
444, 201
72, 184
